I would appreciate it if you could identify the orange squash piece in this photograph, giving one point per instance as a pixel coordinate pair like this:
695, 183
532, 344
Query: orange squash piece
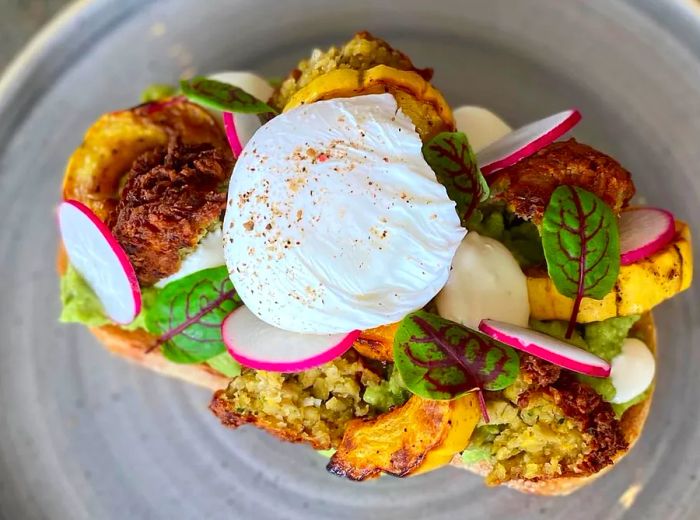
419, 436
377, 343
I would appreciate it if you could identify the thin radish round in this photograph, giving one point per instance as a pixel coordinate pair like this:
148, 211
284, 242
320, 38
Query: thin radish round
525, 141
643, 232
482, 126
100, 260
232, 134
256, 344
241, 127
546, 347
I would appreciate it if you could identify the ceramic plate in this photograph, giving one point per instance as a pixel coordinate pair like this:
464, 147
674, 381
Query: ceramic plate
85, 435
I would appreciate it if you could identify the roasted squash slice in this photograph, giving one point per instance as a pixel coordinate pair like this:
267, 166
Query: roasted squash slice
116, 139
418, 99
419, 436
377, 343
640, 286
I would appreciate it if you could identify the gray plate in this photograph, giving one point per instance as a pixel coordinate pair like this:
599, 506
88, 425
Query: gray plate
86, 435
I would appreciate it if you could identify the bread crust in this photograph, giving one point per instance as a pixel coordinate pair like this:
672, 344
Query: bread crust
632, 423
134, 347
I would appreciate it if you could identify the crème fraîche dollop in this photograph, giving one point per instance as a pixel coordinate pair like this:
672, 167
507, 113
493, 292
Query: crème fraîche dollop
334, 220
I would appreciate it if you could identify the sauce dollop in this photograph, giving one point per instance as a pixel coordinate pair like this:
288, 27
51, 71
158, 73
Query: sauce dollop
486, 282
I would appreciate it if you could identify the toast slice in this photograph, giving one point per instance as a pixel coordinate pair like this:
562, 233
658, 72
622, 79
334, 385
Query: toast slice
134, 346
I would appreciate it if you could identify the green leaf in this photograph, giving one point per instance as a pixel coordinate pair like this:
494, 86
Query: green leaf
222, 96
581, 245
156, 92
440, 359
454, 164
225, 364
188, 313
175, 355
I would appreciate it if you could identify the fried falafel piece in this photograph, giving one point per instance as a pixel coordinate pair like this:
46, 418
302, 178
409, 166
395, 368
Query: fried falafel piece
362, 52
171, 198
311, 407
527, 186
550, 425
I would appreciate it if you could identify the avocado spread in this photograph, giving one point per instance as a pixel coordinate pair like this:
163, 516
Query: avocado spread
81, 305
604, 339
387, 393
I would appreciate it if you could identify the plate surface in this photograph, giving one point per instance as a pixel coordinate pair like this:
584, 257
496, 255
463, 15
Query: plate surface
83, 435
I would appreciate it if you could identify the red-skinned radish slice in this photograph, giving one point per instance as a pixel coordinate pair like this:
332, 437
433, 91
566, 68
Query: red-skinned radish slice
482, 126
231, 134
241, 127
643, 232
525, 141
546, 347
256, 344
97, 256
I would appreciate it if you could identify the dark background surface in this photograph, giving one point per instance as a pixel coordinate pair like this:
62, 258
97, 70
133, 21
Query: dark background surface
19, 20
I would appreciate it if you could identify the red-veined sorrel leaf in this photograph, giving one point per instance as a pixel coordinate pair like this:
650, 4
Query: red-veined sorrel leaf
441, 359
454, 164
581, 245
188, 312
223, 97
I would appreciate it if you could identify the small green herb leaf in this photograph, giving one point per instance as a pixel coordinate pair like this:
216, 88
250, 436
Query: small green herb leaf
156, 92
222, 96
175, 355
440, 359
188, 313
225, 364
454, 163
581, 245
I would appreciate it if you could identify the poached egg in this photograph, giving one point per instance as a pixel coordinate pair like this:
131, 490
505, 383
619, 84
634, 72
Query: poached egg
334, 220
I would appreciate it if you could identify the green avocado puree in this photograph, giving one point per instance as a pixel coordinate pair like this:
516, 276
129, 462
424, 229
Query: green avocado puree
81, 305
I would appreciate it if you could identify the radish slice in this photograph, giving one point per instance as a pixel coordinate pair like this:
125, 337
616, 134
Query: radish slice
525, 141
100, 260
482, 126
256, 344
546, 347
241, 127
232, 135
643, 232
